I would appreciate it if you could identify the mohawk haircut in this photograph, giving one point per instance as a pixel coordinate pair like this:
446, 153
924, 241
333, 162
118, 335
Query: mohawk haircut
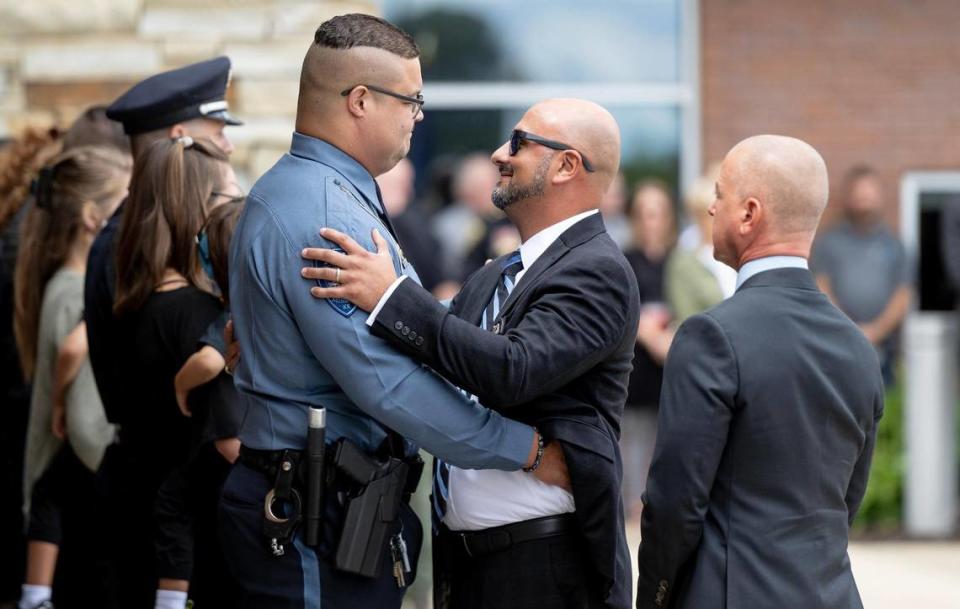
359, 30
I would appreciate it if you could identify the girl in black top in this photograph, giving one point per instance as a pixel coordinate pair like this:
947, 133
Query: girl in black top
167, 302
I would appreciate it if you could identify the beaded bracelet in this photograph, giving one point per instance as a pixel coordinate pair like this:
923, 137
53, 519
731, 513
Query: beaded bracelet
539, 458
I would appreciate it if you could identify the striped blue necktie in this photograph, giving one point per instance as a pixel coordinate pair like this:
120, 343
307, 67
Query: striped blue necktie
441, 475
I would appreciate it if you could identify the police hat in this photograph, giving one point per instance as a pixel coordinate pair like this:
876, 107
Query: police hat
168, 98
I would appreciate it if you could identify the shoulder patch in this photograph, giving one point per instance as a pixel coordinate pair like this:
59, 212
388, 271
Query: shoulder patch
340, 305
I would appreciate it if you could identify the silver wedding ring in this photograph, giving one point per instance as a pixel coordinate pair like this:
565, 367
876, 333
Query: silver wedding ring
337, 280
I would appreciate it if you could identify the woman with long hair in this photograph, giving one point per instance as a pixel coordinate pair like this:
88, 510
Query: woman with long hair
20, 160
73, 197
166, 301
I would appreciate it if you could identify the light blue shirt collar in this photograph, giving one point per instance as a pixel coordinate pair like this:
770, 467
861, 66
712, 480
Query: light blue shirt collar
769, 263
315, 149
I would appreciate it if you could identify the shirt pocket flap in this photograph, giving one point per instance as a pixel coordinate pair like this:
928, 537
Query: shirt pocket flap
342, 210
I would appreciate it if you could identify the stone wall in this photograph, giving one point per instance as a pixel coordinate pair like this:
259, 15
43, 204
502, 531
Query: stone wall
59, 56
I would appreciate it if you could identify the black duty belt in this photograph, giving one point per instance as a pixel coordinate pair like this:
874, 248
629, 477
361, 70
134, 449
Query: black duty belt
266, 462
497, 539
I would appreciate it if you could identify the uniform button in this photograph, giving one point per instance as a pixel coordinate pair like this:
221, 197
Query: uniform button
405, 330
337, 182
398, 325
419, 341
413, 336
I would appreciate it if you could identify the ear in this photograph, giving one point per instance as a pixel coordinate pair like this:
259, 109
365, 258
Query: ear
90, 217
751, 215
570, 167
178, 130
357, 102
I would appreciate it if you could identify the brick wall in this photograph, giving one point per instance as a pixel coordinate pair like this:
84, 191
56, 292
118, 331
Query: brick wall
59, 56
875, 81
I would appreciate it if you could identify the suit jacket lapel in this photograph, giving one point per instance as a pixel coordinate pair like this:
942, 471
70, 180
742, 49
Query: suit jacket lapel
577, 234
555, 252
477, 292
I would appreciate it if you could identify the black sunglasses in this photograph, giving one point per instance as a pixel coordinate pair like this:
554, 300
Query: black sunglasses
518, 136
416, 102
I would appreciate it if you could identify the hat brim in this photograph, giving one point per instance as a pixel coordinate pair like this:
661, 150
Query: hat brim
223, 115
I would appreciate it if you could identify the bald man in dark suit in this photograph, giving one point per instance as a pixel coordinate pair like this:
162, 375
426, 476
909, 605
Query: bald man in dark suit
768, 414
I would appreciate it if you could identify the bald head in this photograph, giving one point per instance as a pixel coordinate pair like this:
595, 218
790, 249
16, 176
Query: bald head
787, 175
587, 127
544, 177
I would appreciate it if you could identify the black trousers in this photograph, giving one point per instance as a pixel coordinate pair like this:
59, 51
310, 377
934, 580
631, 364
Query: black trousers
303, 577
548, 573
130, 482
187, 544
15, 398
67, 509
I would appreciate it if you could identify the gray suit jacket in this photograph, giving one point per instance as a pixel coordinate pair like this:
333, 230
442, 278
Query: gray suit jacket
767, 425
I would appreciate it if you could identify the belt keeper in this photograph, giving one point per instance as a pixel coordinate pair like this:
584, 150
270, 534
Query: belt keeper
286, 471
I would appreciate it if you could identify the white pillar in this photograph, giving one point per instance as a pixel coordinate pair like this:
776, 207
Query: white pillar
931, 342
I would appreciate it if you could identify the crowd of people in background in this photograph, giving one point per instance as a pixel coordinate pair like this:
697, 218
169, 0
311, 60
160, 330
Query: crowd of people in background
58, 190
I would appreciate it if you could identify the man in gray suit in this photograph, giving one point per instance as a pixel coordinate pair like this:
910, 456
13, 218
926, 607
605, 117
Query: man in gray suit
768, 413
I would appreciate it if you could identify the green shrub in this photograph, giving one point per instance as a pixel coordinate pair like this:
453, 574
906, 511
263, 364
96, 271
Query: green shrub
882, 508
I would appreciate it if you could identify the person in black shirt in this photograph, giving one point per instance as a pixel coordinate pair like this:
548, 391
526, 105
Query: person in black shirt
653, 225
165, 302
189, 101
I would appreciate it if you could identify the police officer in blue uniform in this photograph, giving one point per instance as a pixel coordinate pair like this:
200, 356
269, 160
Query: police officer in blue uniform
359, 102
186, 101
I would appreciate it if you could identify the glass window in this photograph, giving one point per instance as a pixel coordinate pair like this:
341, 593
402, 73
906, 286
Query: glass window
486, 61
543, 40
936, 292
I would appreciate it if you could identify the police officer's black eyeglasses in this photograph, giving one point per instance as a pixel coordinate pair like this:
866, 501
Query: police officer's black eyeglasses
416, 103
518, 136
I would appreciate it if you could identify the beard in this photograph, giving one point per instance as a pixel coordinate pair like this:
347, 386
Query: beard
505, 196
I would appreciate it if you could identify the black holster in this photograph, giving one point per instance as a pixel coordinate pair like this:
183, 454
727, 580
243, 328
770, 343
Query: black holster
370, 489
377, 489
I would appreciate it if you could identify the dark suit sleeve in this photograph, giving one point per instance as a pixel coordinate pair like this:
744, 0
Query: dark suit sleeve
861, 471
571, 324
696, 407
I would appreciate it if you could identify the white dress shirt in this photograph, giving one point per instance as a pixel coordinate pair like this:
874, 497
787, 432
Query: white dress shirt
484, 498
